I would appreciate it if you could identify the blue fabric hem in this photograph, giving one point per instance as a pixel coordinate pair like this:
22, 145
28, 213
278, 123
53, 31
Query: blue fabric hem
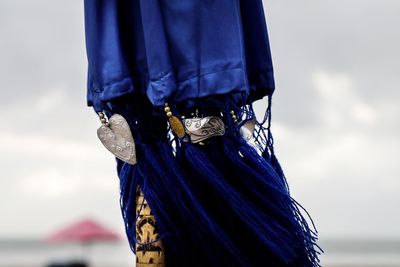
97, 99
234, 80
261, 84
214, 83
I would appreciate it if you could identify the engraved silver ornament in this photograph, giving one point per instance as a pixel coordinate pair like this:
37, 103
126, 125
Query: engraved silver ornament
247, 131
117, 137
200, 129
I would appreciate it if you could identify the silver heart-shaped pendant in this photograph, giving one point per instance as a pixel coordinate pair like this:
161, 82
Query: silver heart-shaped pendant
117, 137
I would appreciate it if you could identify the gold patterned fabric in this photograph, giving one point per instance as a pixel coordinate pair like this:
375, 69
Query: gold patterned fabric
149, 249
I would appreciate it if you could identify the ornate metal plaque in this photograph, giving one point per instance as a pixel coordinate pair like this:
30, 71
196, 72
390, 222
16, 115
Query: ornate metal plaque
200, 129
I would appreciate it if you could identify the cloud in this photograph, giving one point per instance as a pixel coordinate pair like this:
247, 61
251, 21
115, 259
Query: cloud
31, 146
336, 116
342, 169
341, 105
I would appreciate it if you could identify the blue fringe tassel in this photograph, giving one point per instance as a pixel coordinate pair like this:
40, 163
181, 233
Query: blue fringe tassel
223, 204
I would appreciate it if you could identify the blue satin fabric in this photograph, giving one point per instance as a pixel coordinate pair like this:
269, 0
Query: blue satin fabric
176, 50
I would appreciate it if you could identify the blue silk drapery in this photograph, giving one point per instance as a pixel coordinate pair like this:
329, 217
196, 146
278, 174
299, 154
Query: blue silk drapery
174, 50
223, 203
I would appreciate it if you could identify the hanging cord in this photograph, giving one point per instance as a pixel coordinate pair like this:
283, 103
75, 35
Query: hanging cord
262, 133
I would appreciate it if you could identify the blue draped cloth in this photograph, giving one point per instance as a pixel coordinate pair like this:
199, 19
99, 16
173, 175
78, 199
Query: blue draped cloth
176, 51
220, 203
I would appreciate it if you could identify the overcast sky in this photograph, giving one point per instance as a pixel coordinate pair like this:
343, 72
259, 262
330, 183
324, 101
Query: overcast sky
336, 117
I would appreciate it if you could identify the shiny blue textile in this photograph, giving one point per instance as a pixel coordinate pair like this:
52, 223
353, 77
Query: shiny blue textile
175, 50
216, 204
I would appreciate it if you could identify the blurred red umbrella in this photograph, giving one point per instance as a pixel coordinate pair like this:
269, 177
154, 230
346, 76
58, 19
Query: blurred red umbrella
85, 231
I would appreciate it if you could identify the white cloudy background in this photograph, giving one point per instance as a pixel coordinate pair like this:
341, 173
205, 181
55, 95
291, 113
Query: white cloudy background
336, 117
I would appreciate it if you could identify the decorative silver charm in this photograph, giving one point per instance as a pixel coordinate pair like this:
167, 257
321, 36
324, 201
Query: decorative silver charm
116, 136
247, 131
200, 129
